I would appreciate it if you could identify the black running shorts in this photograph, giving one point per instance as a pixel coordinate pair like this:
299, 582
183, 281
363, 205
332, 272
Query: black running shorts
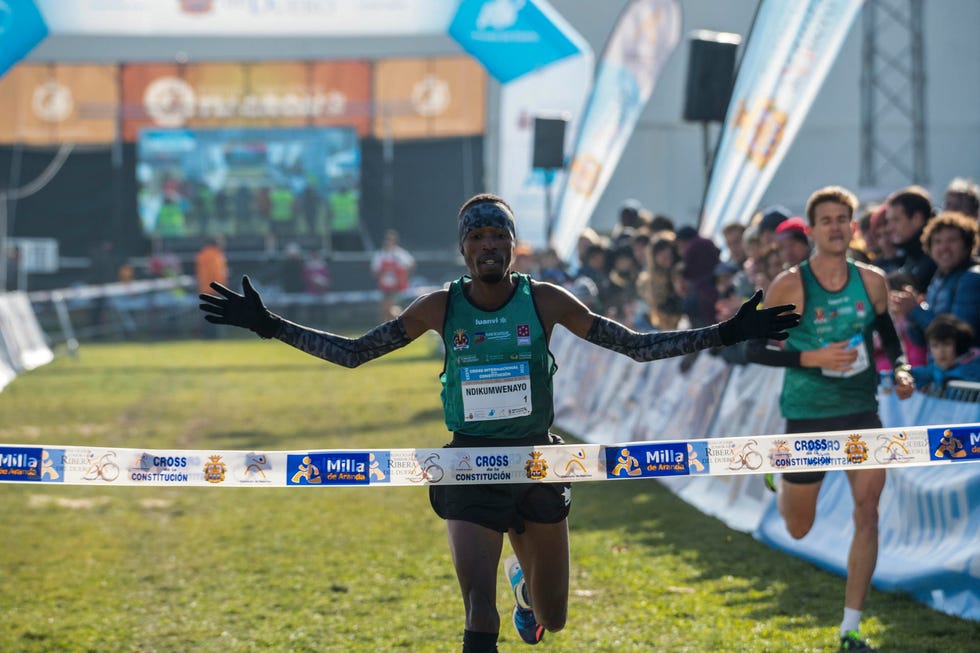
868, 420
503, 506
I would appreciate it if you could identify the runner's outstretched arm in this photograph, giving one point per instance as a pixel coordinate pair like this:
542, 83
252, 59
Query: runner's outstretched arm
748, 323
248, 311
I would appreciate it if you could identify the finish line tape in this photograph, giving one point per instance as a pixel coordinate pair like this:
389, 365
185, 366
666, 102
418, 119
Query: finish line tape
811, 452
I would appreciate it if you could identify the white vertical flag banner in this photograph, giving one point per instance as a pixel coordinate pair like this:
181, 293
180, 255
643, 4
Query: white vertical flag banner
789, 52
644, 37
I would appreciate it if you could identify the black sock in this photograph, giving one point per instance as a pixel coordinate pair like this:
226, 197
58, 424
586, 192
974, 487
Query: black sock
474, 642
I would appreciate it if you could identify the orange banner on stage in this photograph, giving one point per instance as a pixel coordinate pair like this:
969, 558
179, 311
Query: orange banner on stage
50, 104
345, 88
286, 94
426, 98
400, 98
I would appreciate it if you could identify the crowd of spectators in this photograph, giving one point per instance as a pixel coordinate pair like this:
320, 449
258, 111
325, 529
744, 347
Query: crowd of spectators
651, 273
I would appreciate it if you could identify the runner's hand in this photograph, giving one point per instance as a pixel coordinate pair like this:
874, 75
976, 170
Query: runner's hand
836, 357
751, 322
246, 311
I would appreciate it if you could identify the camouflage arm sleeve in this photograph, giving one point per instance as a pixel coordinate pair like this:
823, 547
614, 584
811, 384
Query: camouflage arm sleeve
651, 346
349, 352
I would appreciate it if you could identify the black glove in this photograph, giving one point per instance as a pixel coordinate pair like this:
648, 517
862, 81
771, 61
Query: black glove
750, 323
245, 311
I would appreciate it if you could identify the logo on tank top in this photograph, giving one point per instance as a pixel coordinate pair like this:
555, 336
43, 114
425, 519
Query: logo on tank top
819, 315
524, 334
861, 309
461, 340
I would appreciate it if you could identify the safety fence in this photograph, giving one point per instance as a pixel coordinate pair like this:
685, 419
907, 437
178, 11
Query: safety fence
929, 517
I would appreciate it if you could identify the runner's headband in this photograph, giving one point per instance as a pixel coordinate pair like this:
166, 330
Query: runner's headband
486, 214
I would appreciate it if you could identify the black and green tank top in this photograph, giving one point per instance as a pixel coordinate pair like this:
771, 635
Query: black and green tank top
497, 378
809, 392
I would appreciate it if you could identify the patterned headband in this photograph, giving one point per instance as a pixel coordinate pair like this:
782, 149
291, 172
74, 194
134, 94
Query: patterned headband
486, 214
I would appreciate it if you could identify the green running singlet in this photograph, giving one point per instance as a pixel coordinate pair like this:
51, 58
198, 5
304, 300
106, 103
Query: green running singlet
497, 377
810, 392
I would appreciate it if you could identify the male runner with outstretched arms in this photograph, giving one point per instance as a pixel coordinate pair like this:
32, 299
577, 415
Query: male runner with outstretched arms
514, 316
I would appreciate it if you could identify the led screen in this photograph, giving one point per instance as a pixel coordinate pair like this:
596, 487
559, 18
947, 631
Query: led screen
289, 183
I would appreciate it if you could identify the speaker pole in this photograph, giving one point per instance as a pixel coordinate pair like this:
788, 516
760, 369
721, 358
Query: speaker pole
549, 156
706, 149
549, 177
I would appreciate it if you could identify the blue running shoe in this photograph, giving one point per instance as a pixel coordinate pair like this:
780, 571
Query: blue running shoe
527, 626
530, 630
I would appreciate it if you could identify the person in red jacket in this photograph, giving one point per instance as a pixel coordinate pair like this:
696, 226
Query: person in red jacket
391, 266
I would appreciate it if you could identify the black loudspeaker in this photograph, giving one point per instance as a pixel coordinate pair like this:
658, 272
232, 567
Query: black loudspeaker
549, 143
710, 76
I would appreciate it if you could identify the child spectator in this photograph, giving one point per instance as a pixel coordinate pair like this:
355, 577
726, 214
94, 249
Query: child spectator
953, 358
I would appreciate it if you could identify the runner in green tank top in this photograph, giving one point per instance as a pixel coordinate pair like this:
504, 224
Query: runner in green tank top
830, 382
497, 391
844, 315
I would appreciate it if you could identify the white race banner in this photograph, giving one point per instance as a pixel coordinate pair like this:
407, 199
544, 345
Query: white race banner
723, 456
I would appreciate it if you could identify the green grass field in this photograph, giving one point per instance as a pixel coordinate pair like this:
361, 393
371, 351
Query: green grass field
354, 569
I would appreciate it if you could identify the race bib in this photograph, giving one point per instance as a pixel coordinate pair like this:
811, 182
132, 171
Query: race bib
860, 363
496, 391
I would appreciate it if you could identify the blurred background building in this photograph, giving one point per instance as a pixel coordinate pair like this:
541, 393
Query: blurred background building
324, 141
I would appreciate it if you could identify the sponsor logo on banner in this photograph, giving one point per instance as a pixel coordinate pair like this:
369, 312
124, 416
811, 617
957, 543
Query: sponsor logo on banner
856, 449
956, 443
478, 467
157, 468
536, 467
379, 470
572, 465
20, 463
341, 468
667, 459
102, 466
52, 466
402, 466
215, 470
253, 469
779, 454
759, 144
898, 448
499, 14
698, 458
510, 37
169, 101
425, 468
746, 456
430, 96
52, 102
807, 452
